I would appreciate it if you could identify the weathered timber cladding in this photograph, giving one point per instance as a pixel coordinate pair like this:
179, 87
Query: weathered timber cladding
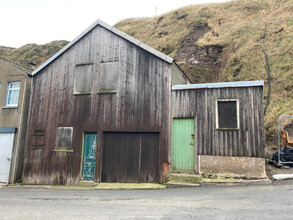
200, 104
140, 103
133, 155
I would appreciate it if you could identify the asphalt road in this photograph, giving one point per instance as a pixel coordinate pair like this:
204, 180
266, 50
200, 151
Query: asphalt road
205, 202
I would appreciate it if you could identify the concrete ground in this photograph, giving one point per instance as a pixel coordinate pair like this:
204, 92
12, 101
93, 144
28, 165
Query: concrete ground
3, 185
272, 170
206, 202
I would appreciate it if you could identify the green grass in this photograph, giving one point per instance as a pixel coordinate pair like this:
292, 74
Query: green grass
31, 52
236, 26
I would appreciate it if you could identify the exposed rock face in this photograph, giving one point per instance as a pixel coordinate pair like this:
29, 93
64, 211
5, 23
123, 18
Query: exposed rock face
202, 64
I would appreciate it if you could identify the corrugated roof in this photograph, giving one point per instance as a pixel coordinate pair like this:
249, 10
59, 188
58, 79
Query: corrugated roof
219, 85
112, 29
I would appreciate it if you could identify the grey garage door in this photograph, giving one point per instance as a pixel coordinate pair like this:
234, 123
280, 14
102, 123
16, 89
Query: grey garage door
130, 157
6, 146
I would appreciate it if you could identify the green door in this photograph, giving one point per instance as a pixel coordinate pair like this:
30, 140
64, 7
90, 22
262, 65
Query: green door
89, 156
183, 144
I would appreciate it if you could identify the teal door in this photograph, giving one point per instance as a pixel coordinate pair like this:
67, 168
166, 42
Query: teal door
183, 144
89, 156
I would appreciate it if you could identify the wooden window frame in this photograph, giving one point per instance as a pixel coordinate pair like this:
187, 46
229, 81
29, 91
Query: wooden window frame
76, 77
104, 73
7, 94
237, 114
64, 148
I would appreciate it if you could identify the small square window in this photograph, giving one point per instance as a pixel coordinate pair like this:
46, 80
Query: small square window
227, 114
83, 79
12, 94
64, 139
108, 80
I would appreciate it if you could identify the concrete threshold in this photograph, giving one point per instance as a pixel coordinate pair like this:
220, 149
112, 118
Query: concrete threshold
129, 186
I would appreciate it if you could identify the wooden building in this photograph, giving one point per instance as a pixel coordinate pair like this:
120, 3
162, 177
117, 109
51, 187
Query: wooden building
219, 128
15, 85
101, 111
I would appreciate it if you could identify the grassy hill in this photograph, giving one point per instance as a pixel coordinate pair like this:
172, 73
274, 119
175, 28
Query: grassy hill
212, 43
31, 52
224, 42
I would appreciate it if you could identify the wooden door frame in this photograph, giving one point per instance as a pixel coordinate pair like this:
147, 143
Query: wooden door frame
196, 163
82, 154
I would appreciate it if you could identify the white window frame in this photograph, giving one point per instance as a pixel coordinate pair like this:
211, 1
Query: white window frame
237, 111
10, 89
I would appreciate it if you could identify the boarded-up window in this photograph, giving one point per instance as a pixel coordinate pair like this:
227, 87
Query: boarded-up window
38, 139
108, 80
64, 138
227, 114
83, 79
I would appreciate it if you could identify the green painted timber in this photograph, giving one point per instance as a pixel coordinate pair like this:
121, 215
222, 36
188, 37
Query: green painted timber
89, 156
183, 144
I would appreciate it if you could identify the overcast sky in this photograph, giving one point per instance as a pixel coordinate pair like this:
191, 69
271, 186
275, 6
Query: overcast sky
42, 21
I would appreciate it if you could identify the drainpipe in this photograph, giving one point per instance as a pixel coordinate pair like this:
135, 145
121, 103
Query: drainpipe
19, 132
28, 121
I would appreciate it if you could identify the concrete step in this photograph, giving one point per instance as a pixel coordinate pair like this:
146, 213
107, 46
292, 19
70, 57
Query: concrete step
84, 183
221, 180
184, 178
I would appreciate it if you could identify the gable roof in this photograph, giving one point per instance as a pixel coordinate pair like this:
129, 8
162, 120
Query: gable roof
16, 66
113, 30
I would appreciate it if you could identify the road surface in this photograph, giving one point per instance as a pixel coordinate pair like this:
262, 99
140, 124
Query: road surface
205, 202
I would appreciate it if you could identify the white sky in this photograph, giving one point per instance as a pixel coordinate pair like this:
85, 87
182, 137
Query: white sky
42, 21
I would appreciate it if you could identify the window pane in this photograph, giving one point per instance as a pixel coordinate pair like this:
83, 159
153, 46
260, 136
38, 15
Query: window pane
64, 138
227, 114
13, 97
14, 85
